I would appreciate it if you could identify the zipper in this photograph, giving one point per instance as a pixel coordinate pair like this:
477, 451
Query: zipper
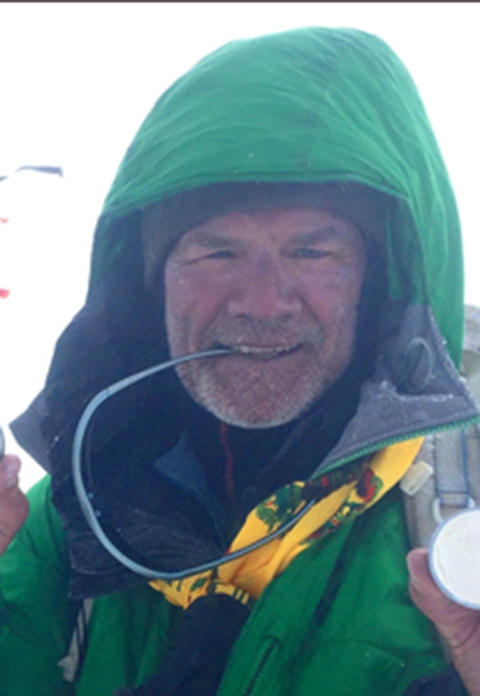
258, 669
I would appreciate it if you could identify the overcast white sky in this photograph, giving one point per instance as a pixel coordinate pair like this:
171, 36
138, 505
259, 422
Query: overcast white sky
76, 82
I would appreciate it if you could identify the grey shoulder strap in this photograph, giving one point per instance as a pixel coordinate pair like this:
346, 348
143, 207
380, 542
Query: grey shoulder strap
445, 476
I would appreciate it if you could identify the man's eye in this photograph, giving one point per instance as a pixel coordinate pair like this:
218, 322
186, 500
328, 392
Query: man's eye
308, 253
202, 255
221, 254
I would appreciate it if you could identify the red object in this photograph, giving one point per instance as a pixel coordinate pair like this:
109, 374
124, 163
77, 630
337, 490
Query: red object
3, 221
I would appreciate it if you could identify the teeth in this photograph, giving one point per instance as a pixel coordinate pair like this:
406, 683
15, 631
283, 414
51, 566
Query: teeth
260, 350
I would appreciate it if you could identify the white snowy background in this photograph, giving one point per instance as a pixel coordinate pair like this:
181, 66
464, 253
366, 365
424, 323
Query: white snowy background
76, 81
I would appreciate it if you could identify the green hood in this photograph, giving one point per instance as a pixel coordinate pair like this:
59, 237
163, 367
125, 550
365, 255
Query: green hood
308, 105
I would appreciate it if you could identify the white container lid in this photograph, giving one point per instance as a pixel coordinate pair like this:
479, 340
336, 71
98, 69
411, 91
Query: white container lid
454, 557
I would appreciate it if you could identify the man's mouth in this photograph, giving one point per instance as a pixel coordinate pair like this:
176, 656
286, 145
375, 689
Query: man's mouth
260, 352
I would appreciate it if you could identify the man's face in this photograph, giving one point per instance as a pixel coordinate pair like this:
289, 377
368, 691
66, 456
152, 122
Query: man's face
281, 287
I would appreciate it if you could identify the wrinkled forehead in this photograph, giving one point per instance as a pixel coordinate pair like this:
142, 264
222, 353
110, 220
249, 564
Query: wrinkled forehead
278, 228
165, 223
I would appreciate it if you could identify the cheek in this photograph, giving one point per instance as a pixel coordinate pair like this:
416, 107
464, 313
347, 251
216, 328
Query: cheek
192, 296
334, 294
178, 301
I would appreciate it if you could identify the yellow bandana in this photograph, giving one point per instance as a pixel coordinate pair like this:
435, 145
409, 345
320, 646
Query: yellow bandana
246, 577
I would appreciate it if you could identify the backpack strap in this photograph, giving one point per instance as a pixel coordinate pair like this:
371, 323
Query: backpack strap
443, 479
445, 476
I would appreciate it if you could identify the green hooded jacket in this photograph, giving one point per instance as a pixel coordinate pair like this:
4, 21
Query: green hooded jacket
308, 106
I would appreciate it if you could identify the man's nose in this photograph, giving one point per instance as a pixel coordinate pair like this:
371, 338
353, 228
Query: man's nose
265, 290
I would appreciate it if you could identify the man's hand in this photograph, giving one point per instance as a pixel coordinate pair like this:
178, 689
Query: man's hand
459, 626
13, 503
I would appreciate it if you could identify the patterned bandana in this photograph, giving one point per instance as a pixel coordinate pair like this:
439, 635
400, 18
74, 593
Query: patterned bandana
245, 578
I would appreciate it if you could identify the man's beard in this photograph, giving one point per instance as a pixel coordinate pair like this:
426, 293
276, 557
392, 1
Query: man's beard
266, 390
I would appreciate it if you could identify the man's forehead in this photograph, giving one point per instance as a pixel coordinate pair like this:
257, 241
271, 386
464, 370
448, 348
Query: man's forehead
305, 224
165, 223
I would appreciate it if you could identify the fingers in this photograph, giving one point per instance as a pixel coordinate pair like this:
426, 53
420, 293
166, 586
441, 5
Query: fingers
9, 470
421, 582
417, 562
13, 503
423, 590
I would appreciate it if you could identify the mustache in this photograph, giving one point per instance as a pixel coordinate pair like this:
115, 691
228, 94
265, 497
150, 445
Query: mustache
262, 332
